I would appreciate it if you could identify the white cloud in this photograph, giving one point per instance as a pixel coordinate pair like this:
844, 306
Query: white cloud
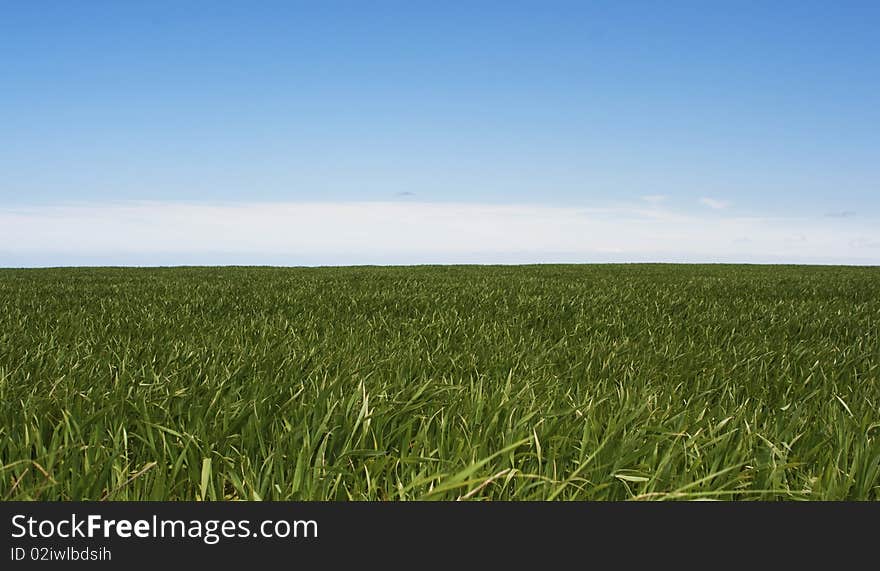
863, 242
841, 214
412, 232
655, 198
714, 203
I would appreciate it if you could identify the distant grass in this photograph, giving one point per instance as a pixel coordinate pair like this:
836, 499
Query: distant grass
507, 383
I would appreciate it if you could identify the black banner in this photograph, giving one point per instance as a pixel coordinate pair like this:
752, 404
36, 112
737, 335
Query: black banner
410, 534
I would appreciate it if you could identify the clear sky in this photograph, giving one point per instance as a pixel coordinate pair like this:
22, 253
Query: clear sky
378, 132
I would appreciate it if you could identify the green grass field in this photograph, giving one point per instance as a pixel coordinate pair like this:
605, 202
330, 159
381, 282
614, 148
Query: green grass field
505, 383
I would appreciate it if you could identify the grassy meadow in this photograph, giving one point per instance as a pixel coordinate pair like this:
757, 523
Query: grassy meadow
609, 382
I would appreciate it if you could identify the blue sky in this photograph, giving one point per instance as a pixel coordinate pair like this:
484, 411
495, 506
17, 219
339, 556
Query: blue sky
758, 118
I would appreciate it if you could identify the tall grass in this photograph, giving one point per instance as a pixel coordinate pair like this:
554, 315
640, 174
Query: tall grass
507, 383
